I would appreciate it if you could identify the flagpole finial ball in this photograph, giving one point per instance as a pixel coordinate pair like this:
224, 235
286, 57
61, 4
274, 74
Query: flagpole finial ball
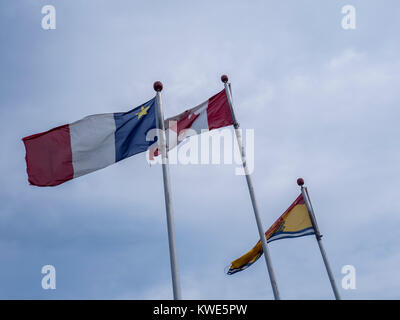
158, 86
224, 78
300, 181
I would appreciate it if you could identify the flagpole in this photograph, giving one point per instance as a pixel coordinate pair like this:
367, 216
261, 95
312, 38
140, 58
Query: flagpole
167, 194
318, 236
236, 126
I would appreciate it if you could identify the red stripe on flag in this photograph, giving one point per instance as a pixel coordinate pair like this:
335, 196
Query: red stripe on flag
218, 111
49, 157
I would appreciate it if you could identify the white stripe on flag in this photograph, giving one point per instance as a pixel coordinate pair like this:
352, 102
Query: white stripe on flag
92, 143
201, 123
291, 234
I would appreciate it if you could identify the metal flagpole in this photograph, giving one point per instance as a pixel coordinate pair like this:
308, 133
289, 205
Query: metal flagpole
318, 236
275, 290
176, 287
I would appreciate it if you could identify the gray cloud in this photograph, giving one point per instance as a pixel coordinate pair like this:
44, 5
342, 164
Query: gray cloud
322, 101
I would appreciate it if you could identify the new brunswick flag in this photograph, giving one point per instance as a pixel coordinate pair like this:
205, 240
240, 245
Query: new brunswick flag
294, 222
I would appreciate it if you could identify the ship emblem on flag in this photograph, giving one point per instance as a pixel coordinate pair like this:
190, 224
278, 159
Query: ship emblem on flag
293, 223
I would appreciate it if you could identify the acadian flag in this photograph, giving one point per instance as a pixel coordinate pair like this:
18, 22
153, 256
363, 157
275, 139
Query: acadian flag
87, 145
211, 114
294, 222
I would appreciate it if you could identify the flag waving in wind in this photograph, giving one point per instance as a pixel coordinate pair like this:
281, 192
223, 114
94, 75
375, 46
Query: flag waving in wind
211, 114
87, 145
294, 222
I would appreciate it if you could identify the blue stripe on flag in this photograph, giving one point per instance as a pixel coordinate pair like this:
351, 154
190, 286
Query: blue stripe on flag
131, 129
291, 234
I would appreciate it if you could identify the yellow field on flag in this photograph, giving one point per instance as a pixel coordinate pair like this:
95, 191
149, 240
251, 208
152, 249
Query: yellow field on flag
294, 222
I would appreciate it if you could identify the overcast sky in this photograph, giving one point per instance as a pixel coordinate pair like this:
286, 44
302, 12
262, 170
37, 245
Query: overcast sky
323, 102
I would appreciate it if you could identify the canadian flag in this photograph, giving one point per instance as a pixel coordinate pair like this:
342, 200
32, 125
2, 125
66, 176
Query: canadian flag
211, 114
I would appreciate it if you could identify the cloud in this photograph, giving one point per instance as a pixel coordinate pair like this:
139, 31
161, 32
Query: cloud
322, 102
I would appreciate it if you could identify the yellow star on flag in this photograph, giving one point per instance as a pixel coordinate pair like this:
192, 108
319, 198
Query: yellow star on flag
142, 112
